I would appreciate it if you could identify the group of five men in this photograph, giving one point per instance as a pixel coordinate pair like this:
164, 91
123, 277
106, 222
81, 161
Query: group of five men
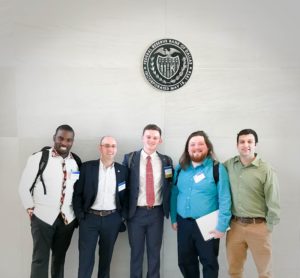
101, 194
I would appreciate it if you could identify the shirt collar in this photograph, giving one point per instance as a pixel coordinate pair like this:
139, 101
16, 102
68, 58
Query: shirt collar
144, 154
255, 162
102, 166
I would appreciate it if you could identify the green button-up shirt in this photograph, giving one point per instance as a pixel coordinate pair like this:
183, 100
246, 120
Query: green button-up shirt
254, 189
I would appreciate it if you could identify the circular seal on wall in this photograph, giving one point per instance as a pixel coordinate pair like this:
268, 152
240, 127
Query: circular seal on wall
168, 64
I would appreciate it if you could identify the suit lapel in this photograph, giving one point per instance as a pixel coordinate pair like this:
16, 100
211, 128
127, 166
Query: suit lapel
118, 180
135, 165
163, 164
95, 176
118, 173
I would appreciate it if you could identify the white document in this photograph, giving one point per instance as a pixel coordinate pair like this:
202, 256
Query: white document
208, 223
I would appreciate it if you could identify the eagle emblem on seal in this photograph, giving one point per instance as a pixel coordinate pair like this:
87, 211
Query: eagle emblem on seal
167, 64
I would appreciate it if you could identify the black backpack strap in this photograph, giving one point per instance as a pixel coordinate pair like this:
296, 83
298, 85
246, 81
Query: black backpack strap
216, 171
77, 159
130, 157
177, 174
42, 166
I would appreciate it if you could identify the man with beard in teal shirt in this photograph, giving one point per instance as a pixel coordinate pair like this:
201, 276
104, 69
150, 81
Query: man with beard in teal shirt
196, 194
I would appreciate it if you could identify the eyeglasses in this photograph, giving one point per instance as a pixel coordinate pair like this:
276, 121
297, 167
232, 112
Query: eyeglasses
108, 146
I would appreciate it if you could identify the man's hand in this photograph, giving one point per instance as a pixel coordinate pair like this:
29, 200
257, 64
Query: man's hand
174, 226
30, 212
217, 234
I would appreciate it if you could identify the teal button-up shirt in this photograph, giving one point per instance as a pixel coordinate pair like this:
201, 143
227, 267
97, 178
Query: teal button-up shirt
196, 193
254, 190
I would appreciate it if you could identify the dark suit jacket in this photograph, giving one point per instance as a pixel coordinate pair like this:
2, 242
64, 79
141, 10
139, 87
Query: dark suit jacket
134, 181
86, 188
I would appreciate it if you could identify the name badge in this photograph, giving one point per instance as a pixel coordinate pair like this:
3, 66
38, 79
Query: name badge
168, 172
199, 177
121, 186
74, 175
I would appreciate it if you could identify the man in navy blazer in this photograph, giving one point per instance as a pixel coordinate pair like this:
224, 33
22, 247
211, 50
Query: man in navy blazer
145, 222
100, 202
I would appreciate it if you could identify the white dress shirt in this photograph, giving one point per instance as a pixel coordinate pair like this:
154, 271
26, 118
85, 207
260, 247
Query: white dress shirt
48, 206
106, 195
157, 172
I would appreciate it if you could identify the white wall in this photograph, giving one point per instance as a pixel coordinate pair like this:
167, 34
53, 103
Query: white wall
80, 62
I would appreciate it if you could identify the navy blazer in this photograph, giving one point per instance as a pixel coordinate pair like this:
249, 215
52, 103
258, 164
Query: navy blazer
134, 181
86, 188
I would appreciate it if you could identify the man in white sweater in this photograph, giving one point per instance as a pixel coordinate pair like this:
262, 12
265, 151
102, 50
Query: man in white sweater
47, 198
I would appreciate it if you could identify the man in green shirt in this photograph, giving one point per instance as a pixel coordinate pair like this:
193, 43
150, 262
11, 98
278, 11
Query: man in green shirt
255, 207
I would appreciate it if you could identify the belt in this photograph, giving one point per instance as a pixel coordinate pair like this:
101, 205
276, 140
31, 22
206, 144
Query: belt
249, 220
149, 207
101, 212
185, 218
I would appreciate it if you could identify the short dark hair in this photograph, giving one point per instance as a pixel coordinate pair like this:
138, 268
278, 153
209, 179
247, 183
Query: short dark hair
64, 127
152, 127
185, 159
246, 132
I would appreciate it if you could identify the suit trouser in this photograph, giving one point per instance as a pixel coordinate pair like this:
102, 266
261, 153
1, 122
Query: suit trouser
57, 238
145, 226
192, 248
257, 238
92, 227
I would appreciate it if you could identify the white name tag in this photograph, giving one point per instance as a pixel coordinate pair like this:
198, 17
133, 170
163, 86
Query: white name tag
121, 186
74, 175
199, 177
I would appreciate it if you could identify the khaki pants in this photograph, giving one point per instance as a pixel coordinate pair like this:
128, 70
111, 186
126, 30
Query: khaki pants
257, 238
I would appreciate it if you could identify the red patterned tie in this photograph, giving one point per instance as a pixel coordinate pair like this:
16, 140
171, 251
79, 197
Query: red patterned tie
149, 183
63, 191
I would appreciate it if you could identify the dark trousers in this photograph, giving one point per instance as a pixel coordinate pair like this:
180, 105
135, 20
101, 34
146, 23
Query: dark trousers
92, 227
57, 238
145, 226
192, 248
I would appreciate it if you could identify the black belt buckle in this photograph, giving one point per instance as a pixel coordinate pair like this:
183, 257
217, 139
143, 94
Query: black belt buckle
147, 207
150, 207
104, 212
101, 212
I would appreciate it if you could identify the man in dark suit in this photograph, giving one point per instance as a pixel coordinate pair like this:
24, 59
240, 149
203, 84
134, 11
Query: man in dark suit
149, 196
99, 202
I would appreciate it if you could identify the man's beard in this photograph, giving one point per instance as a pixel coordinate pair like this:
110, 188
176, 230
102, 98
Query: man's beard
197, 158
